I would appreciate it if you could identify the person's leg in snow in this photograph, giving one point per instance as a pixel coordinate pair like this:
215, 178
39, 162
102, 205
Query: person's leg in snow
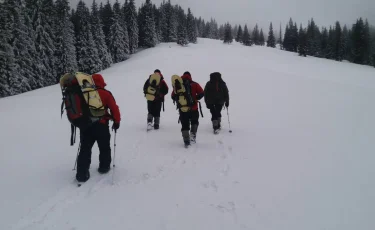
194, 125
185, 123
215, 117
103, 137
150, 117
219, 108
156, 113
84, 158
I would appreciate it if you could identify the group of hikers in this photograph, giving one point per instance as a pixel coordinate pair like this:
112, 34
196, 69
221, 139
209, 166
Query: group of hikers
186, 95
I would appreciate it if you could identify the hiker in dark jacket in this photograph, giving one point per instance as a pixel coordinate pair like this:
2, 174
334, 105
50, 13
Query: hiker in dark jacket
216, 95
98, 132
154, 107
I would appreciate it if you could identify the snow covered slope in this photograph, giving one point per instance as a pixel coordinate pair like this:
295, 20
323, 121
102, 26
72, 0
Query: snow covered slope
301, 155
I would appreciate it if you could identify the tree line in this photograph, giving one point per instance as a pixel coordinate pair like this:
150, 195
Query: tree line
355, 44
40, 40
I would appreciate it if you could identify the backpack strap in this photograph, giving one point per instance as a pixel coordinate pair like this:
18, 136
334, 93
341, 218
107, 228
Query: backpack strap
73, 135
200, 108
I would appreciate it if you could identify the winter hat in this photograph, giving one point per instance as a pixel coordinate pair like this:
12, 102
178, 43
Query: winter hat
187, 73
157, 71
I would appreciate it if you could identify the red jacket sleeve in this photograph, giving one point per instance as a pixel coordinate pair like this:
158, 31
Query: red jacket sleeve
110, 102
199, 91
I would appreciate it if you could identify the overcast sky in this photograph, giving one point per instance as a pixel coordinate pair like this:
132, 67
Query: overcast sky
324, 12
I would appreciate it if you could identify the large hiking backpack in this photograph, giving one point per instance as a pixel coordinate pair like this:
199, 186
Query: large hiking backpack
152, 87
182, 90
81, 99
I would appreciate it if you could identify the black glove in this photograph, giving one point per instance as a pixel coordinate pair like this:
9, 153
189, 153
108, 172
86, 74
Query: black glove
227, 104
115, 126
208, 106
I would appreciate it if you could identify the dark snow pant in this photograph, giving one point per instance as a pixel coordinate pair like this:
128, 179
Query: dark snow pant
97, 132
188, 118
216, 111
154, 109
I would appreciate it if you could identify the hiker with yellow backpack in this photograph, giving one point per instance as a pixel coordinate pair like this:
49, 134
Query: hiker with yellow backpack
155, 90
87, 103
186, 93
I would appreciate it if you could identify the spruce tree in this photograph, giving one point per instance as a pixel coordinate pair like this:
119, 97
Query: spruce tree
261, 38
280, 39
330, 51
131, 22
191, 27
106, 15
158, 26
182, 35
345, 43
338, 49
367, 44
359, 42
87, 53
302, 42
172, 23
21, 43
7, 61
235, 31
246, 40
65, 40
228, 37
239, 34
256, 35
221, 32
271, 41
116, 40
147, 33
313, 39
324, 43
39, 17
99, 37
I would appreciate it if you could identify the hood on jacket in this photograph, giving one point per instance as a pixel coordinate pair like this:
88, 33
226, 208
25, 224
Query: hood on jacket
216, 76
187, 76
99, 80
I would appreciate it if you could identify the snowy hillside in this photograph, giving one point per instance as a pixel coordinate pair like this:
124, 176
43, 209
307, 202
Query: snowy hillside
301, 155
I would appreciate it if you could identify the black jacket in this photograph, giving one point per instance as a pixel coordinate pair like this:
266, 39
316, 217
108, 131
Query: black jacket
216, 90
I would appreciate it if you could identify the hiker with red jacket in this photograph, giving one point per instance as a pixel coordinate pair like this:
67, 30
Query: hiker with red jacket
192, 116
216, 95
98, 131
154, 107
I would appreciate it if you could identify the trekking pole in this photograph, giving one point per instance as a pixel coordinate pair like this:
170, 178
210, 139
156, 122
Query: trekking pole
114, 150
114, 158
228, 120
79, 148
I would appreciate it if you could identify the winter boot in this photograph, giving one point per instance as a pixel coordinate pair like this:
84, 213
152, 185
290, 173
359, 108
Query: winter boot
186, 137
219, 122
149, 121
215, 125
193, 133
83, 177
104, 170
156, 122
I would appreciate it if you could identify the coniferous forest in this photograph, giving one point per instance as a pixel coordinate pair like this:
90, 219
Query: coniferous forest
40, 40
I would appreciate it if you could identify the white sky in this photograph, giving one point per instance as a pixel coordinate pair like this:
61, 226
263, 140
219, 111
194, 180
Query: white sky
324, 12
